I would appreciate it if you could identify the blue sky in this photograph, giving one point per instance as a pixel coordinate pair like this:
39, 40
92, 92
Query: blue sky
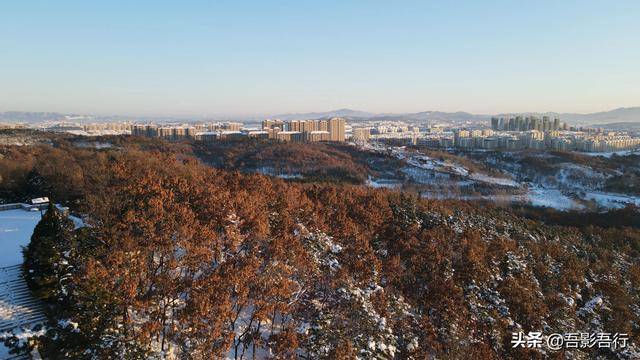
208, 58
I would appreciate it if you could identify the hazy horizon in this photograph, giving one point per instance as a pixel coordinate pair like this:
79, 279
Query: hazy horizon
250, 117
253, 59
312, 110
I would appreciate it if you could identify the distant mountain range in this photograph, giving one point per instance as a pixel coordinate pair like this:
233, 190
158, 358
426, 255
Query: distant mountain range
620, 115
356, 115
40, 117
347, 113
31, 117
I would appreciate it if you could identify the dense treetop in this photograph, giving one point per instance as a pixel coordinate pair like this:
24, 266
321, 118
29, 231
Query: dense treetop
182, 259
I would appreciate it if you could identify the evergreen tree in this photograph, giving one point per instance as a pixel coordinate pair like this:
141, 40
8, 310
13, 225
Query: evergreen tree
44, 262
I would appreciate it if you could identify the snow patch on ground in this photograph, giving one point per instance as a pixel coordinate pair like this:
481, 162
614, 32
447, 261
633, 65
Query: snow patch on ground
20, 336
383, 183
610, 154
591, 306
552, 198
494, 180
611, 200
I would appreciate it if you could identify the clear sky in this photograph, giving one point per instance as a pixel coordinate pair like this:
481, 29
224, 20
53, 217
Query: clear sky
267, 57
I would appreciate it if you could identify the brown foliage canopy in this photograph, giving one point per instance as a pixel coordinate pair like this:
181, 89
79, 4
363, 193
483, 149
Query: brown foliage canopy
202, 262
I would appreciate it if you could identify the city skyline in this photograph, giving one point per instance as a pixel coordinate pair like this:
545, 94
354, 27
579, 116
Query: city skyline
250, 59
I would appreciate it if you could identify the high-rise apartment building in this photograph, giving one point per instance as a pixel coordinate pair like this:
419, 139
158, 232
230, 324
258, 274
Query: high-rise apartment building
336, 129
495, 123
520, 123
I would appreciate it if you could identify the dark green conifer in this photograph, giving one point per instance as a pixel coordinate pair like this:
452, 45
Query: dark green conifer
44, 262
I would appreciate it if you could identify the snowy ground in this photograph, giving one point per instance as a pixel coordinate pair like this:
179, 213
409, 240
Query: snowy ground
494, 180
383, 183
16, 227
552, 198
570, 189
541, 197
612, 200
609, 154
17, 307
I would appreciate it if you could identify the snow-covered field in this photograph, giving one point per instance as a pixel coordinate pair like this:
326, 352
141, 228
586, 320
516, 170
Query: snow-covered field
426, 170
17, 307
16, 227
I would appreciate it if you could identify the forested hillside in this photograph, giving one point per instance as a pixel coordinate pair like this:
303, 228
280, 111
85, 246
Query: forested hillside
179, 259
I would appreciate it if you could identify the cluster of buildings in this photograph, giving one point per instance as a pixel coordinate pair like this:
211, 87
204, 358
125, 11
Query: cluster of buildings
5, 126
296, 130
115, 127
559, 140
506, 133
386, 130
392, 127
93, 129
333, 129
607, 143
525, 123
209, 131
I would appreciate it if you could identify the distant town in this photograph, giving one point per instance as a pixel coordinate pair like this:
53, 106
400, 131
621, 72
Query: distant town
517, 132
